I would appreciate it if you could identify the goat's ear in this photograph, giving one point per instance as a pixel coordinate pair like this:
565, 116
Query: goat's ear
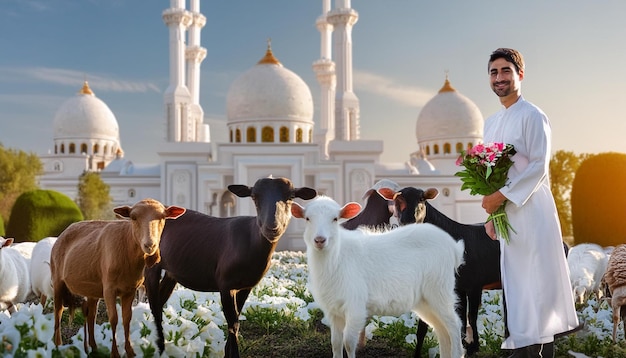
305, 193
174, 212
387, 193
122, 211
350, 210
240, 190
153, 259
431, 193
297, 210
5, 242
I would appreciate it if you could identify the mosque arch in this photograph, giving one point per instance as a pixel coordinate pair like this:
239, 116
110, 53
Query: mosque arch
267, 134
72, 148
237, 135
459, 147
436, 149
96, 148
251, 135
83, 148
283, 134
447, 148
299, 135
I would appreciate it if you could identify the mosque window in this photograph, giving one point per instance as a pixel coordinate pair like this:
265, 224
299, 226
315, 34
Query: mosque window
131, 193
251, 135
96, 148
267, 134
447, 148
55, 149
228, 205
238, 135
469, 146
436, 149
284, 134
83, 148
57, 166
299, 135
231, 135
459, 147
106, 150
310, 135
100, 165
72, 148
62, 148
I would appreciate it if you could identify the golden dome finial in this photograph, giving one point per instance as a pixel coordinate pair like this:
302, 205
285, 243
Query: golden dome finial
85, 89
447, 87
269, 56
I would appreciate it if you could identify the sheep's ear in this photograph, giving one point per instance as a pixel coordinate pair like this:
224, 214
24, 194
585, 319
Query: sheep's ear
173, 212
431, 193
122, 211
350, 210
152, 260
240, 190
387, 193
297, 210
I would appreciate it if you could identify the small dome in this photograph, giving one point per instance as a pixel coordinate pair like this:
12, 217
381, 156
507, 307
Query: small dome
269, 92
85, 116
449, 115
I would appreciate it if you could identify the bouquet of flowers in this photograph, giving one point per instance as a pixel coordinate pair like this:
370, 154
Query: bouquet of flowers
486, 169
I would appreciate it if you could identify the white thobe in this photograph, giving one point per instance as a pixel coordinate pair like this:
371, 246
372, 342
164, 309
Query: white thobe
535, 275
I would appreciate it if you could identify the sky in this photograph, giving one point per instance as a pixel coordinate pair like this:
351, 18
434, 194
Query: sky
575, 51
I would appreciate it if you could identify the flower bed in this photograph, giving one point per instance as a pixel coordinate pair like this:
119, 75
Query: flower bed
194, 325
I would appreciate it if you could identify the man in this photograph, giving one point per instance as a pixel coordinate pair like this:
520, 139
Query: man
535, 276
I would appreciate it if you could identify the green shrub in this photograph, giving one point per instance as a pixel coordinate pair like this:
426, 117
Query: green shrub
2, 231
41, 213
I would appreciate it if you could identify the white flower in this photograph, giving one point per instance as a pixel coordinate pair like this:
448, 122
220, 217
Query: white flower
43, 327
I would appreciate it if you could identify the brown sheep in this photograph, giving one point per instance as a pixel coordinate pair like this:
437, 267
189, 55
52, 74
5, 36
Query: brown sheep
105, 259
615, 279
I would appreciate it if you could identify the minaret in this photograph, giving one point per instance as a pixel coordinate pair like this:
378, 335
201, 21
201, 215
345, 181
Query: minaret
324, 69
177, 97
195, 54
342, 17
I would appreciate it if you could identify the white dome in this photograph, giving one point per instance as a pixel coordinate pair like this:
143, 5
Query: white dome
85, 117
269, 92
449, 115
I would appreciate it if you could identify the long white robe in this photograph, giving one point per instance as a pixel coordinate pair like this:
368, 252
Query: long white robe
535, 275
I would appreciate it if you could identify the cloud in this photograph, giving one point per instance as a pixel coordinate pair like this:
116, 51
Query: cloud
383, 86
59, 76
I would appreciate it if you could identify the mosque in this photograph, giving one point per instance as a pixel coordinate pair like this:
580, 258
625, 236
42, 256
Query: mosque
272, 130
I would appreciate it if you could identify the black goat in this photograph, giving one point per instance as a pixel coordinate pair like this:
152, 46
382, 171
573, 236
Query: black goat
229, 255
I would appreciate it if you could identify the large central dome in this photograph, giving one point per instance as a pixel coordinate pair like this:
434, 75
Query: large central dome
85, 116
269, 92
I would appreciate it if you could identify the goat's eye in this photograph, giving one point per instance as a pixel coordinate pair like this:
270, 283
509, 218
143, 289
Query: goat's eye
335, 220
307, 219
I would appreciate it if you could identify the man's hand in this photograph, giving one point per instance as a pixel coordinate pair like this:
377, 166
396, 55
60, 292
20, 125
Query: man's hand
491, 230
493, 201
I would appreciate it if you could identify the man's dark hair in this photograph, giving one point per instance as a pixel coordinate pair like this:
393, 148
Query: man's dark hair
510, 55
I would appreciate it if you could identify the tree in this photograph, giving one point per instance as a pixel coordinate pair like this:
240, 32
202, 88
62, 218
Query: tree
41, 213
18, 174
93, 199
598, 194
563, 166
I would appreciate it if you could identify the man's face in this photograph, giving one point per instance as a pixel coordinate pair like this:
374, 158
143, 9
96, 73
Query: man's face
503, 77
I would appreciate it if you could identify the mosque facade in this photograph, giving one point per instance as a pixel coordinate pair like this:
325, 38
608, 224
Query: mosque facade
272, 130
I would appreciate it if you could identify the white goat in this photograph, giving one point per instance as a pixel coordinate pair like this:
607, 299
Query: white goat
14, 277
40, 277
356, 274
587, 263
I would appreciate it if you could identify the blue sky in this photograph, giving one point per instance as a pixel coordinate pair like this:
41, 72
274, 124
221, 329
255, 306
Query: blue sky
575, 52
